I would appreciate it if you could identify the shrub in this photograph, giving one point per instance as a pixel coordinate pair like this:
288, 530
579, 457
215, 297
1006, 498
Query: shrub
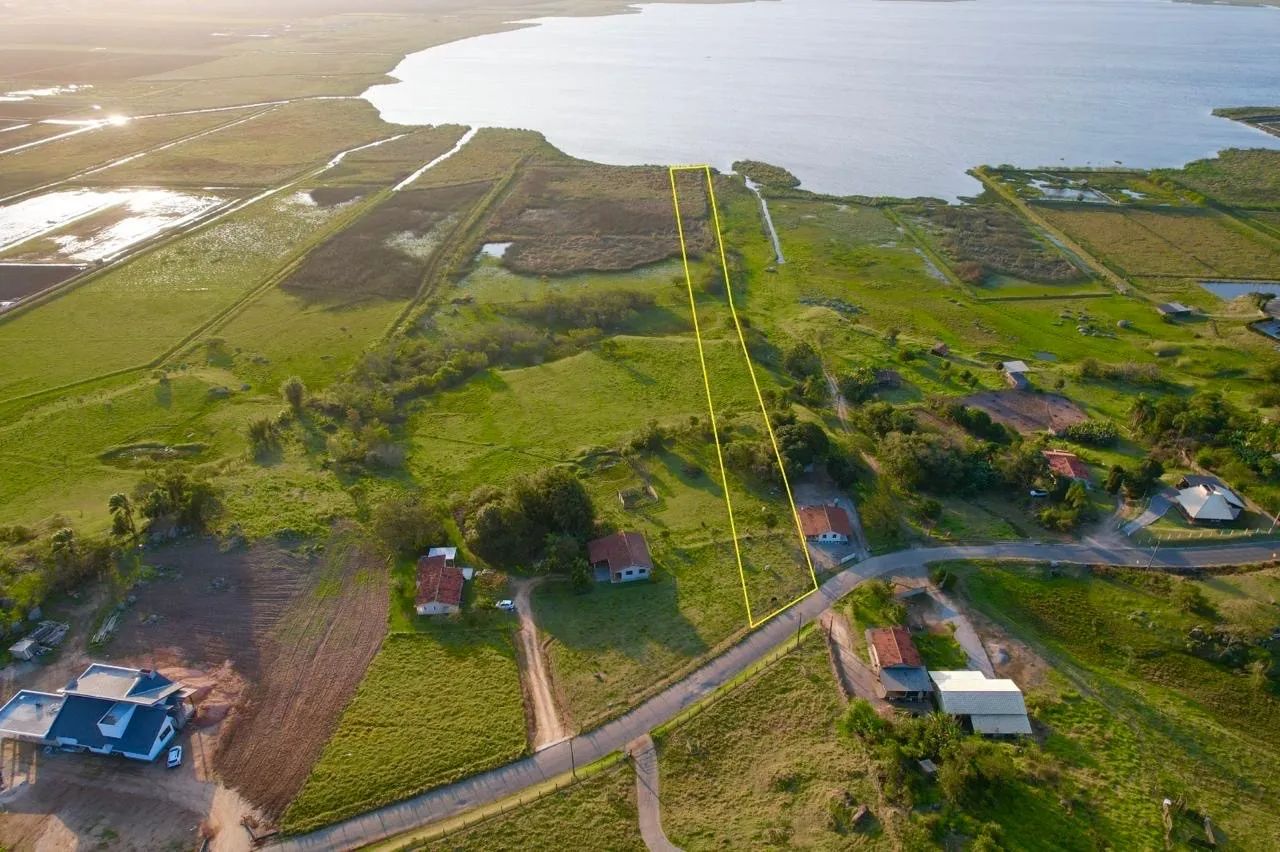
1095, 433
408, 524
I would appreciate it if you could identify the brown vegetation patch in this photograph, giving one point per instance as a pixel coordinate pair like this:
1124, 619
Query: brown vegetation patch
330, 196
285, 640
1028, 411
18, 281
384, 253
983, 240
584, 217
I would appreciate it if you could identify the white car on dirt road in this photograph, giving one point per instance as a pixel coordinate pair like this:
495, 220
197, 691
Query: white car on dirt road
506, 605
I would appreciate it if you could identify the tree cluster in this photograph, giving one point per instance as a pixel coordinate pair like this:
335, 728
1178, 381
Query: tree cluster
529, 521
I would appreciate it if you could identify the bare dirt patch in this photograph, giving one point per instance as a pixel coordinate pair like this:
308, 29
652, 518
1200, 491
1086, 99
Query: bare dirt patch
1028, 411
586, 217
19, 280
281, 639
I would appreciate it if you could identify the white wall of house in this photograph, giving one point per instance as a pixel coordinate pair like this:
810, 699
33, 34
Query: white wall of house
436, 608
630, 574
830, 537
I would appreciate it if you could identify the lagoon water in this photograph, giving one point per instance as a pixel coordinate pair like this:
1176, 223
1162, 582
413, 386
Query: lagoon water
864, 96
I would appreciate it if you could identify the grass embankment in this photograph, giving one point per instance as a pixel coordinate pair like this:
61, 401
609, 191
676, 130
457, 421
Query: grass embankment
1134, 716
433, 708
598, 813
761, 767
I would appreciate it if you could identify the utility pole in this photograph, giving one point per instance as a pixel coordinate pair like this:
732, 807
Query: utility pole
573, 765
1152, 560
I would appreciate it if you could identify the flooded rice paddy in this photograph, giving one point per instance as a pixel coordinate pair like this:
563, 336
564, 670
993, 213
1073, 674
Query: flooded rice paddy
93, 225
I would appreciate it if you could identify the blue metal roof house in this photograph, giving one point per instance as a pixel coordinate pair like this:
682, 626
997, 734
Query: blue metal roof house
106, 710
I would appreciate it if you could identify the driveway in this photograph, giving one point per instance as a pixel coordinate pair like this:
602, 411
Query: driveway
857, 677
644, 758
1157, 507
558, 759
548, 727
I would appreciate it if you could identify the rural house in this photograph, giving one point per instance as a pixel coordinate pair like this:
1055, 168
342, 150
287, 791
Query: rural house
1067, 465
991, 706
620, 558
825, 524
106, 710
450, 554
897, 662
1206, 500
439, 589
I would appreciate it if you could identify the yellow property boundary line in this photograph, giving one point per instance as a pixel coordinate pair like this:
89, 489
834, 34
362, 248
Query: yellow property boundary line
706, 383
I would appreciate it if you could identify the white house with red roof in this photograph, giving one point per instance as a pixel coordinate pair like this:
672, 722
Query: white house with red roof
825, 524
623, 557
439, 587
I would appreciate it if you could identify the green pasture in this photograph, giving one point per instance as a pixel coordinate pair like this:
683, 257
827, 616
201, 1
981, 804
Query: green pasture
433, 708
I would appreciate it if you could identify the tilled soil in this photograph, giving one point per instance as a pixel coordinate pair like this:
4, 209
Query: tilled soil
284, 639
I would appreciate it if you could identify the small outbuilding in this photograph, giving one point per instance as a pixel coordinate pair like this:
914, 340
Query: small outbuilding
439, 587
622, 557
898, 664
1174, 309
1015, 373
940, 349
992, 706
1207, 500
826, 524
24, 649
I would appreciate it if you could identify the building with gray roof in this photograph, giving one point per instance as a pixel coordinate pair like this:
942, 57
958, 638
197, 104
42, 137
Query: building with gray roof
106, 710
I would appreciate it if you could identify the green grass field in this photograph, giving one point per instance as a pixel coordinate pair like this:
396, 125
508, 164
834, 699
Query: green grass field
598, 813
760, 768
433, 708
1134, 717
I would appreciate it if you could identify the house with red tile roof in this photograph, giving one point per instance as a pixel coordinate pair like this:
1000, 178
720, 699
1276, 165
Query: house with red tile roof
825, 524
1068, 465
439, 590
895, 659
621, 558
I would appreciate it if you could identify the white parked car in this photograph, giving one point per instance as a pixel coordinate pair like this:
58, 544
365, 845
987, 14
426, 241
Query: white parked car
1037, 492
506, 605
175, 757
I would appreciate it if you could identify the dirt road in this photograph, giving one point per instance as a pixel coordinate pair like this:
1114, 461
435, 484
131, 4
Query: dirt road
857, 676
548, 726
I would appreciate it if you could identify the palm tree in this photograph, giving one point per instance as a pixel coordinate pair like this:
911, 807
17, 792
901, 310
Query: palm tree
63, 542
122, 515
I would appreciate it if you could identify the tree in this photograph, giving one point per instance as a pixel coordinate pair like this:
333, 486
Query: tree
500, 534
802, 444
122, 520
858, 385
1115, 479
408, 524
294, 392
802, 361
1144, 476
263, 435
63, 544
1023, 465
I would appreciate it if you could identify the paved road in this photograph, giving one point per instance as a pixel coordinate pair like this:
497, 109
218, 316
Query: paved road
645, 759
614, 736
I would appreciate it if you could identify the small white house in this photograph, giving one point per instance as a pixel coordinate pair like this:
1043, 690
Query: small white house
825, 524
622, 557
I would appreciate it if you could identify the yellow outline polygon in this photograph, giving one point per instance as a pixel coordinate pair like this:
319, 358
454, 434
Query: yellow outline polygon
706, 382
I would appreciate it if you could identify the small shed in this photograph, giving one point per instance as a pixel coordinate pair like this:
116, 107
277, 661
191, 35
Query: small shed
24, 649
1174, 309
1015, 373
942, 350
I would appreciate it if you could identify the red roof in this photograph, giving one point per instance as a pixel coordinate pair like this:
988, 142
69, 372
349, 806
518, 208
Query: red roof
816, 520
894, 647
1066, 464
620, 550
439, 582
